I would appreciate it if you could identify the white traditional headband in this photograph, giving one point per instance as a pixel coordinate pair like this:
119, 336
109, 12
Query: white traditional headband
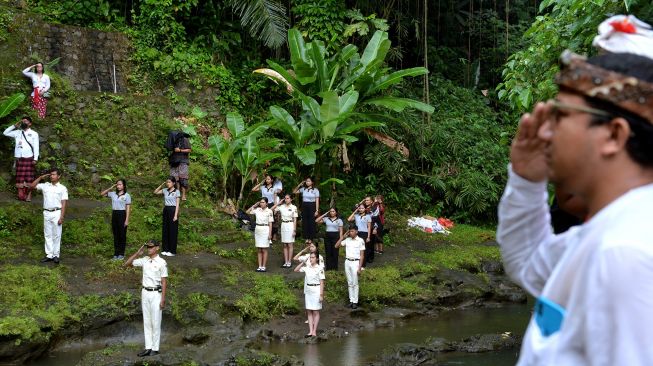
625, 34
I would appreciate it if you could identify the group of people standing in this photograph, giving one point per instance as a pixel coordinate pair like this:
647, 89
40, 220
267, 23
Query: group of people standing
275, 214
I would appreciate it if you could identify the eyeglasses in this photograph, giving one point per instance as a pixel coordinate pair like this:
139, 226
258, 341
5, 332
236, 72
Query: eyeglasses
557, 106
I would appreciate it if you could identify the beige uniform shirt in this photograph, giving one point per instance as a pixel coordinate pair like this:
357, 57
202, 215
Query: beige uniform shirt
153, 270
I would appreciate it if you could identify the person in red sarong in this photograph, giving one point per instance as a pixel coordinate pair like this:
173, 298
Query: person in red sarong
41, 85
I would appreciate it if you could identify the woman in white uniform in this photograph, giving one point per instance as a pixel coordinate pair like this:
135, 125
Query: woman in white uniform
288, 214
313, 291
263, 231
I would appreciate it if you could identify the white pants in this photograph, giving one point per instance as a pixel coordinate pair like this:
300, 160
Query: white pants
351, 271
52, 233
151, 303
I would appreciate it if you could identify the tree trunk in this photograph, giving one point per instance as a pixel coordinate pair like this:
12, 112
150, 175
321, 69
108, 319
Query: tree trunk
426, 60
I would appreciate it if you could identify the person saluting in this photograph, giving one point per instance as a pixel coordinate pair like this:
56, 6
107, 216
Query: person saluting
153, 294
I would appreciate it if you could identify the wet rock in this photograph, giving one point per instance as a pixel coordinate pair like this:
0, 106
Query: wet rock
407, 354
16, 351
255, 357
487, 343
95, 178
492, 267
196, 336
359, 313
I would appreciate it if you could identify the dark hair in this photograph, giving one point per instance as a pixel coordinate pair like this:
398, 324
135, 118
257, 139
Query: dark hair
42, 67
353, 227
172, 179
312, 181
265, 199
27, 118
55, 169
639, 143
333, 208
153, 242
124, 185
271, 177
287, 195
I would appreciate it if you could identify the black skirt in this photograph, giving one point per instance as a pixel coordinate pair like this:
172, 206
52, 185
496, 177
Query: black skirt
308, 220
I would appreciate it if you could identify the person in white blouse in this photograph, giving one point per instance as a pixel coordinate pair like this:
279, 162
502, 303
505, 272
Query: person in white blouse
594, 282
55, 199
170, 227
40, 86
26, 153
263, 232
288, 215
313, 291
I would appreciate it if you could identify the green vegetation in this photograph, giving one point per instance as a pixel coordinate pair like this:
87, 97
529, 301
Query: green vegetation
34, 302
266, 297
528, 74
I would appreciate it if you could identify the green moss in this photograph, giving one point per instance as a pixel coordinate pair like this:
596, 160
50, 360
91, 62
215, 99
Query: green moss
266, 297
188, 307
385, 285
33, 301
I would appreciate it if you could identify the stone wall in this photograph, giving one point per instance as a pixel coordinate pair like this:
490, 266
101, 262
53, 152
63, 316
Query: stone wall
87, 57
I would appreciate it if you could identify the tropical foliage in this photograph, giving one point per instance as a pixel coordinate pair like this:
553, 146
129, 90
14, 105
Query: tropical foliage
340, 94
528, 74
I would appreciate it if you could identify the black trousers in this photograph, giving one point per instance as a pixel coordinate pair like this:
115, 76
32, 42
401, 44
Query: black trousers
308, 220
369, 248
170, 230
119, 230
330, 249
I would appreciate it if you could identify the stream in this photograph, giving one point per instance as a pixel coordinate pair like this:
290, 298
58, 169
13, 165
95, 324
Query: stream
361, 348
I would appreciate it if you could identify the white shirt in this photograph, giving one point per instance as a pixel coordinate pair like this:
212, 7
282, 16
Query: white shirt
263, 216
53, 194
153, 270
42, 82
601, 273
22, 149
313, 275
353, 247
288, 213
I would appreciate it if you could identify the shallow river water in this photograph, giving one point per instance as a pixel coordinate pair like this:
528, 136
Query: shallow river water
360, 348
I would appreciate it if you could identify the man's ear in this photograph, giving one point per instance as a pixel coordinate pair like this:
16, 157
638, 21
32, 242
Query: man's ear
617, 134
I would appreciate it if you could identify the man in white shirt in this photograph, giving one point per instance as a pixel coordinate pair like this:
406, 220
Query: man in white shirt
26, 152
354, 256
55, 198
593, 283
153, 294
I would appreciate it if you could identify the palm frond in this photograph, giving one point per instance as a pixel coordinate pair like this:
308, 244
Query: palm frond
266, 20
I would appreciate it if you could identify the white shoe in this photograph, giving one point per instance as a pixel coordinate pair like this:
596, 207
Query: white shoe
171, 255
165, 253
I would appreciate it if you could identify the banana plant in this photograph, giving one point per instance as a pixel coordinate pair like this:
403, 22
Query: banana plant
227, 147
339, 94
252, 157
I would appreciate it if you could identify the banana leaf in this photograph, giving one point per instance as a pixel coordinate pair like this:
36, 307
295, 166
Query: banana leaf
11, 103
